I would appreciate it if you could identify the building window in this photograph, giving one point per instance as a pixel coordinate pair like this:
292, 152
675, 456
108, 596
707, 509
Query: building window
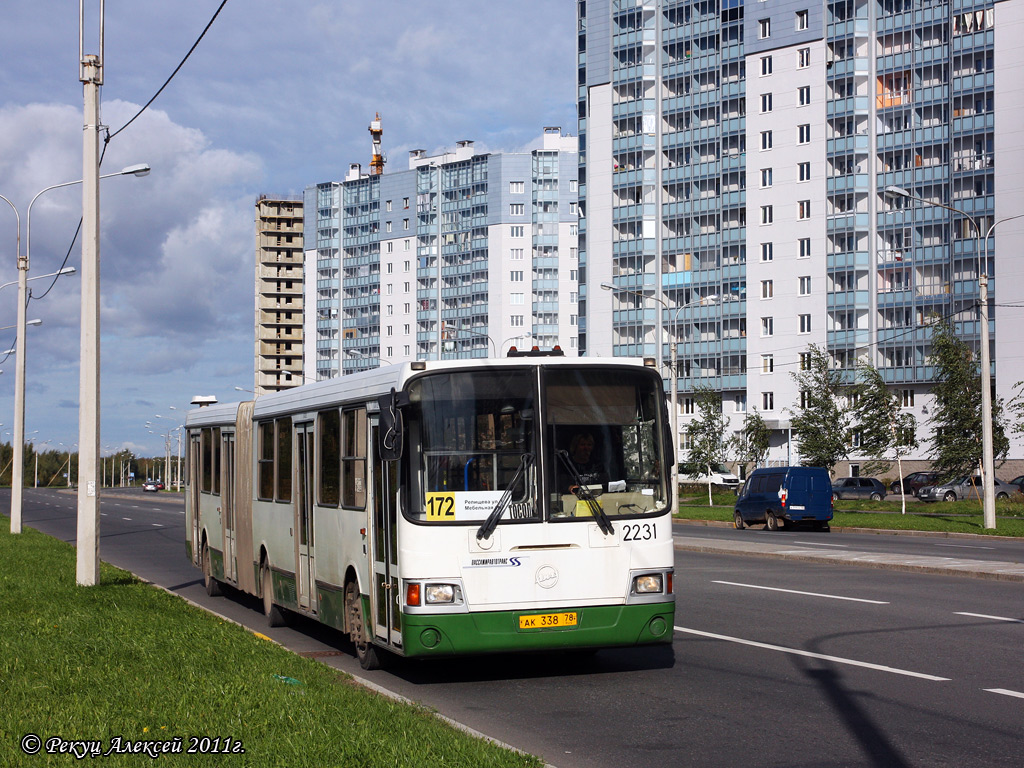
805, 398
406, 245
688, 406
766, 65
387, 226
804, 209
574, 275
804, 171
573, 208
767, 363
805, 323
801, 20
516, 230
804, 134
764, 28
405, 202
767, 214
572, 185
805, 247
805, 361
766, 102
803, 58
516, 209
516, 299
390, 247
739, 403
907, 398
767, 289
516, 187
767, 251
767, 401
387, 205
516, 254
805, 285
766, 139
803, 95
574, 230
766, 177
517, 321
516, 276
767, 326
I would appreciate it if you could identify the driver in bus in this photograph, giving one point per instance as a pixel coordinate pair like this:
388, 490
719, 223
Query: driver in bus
590, 469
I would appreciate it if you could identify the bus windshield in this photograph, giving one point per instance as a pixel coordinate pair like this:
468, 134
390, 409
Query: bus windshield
603, 433
473, 429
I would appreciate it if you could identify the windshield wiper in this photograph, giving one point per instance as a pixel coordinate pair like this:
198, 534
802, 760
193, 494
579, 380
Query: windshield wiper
485, 530
583, 493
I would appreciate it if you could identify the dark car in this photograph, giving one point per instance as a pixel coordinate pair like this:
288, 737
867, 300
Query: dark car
857, 488
1019, 482
914, 482
966, 487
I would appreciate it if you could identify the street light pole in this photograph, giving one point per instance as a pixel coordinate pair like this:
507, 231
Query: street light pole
987, 450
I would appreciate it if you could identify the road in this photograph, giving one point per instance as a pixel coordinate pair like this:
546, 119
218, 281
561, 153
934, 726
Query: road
775, 662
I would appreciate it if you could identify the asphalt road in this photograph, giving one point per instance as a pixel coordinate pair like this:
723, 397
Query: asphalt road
775, 662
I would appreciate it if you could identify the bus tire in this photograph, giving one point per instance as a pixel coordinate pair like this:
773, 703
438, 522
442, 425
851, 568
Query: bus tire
211, 584
771, 522
274, 613
365, 651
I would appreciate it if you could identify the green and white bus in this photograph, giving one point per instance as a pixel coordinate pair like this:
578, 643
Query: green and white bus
434, 508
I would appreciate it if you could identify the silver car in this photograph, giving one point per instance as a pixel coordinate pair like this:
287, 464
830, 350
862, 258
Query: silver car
966, 487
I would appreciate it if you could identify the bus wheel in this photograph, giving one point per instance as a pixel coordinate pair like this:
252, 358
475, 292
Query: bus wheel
365, 651
771, 522
274, 614
737, 521
211, 584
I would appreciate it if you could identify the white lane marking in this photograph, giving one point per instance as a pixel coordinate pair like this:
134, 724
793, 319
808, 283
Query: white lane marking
798, 592
127, 518
819, 544
963, 546
156, 525
986, 616
810, 655
1005, 692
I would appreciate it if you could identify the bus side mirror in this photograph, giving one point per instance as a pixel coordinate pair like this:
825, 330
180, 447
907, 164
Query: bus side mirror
391, 425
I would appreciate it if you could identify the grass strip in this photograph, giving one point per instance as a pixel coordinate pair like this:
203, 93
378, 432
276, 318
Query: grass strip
124, 660
946, 517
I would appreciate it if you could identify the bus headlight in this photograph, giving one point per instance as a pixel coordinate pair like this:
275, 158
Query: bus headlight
439, 593
647, 584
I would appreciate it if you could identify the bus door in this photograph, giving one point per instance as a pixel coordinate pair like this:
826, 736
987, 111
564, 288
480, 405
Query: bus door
304, 462
385, 596
227, 500
195, 482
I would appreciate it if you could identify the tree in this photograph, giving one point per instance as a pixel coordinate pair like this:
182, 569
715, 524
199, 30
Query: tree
956, 415
821, 424
886, 430
706, 432
750, 444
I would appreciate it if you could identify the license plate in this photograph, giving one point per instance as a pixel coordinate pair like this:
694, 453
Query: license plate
548, 620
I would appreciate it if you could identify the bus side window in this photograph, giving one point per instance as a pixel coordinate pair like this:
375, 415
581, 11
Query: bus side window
265, 467
353, 459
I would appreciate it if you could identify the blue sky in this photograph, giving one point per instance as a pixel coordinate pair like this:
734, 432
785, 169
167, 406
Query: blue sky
276, 97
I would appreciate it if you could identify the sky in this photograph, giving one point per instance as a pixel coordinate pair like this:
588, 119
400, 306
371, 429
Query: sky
276, 97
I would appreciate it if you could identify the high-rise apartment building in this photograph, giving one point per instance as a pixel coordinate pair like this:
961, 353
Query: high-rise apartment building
279, 291
461, 255
735, 159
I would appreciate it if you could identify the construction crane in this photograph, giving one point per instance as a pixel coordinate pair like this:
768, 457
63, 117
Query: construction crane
377, 163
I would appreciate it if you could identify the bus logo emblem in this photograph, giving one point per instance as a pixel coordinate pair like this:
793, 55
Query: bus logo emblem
546, 577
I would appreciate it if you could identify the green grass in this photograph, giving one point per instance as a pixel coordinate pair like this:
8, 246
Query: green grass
949, 517
124, 659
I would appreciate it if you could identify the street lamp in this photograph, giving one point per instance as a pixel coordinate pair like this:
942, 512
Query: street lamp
30, 322
480, 334
17, 479
987, 453
58, 273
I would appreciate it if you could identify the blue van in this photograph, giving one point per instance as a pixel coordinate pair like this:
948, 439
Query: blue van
778, 496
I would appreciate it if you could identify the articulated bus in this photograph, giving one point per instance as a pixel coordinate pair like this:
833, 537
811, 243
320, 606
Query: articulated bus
436, 508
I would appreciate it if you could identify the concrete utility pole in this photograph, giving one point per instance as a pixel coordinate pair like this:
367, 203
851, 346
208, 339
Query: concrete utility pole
91, 75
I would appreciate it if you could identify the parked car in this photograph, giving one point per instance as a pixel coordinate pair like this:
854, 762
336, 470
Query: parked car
1019, 482
857, 488
781, 495
914, 482
720, 476
966, 487
159, 485
150, 485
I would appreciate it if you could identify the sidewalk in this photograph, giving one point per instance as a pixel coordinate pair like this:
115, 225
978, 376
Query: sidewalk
949, 566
